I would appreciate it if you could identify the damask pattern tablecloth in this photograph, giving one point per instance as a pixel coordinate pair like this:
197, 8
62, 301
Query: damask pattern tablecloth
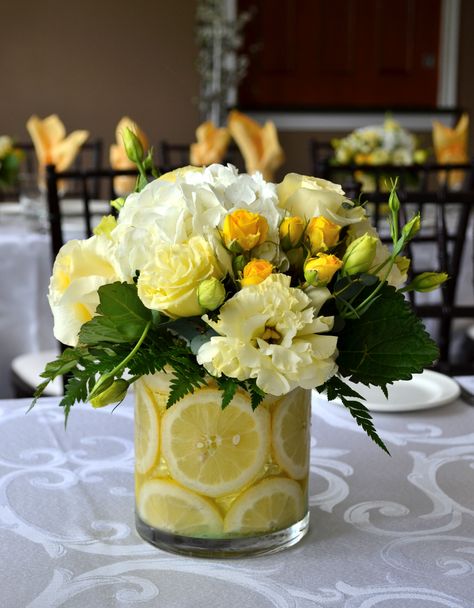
385, 532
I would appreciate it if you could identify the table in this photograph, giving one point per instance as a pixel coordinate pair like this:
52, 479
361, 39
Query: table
26, 322
385, 532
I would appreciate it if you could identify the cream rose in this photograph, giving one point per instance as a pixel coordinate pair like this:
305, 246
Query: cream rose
309, 197
81, 267
168, 282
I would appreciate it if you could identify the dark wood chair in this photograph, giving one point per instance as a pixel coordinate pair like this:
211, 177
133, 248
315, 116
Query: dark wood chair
90, 156
447, 225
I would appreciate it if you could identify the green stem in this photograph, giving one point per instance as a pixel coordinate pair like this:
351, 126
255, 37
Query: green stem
122, 363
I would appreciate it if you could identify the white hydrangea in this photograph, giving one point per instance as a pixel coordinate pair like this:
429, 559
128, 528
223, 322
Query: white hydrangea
270, 332
190, 203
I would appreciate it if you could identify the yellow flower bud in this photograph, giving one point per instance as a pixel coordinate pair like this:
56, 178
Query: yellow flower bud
291, 232
118, 203
412, 227
360, 254
322, 234
244, 229
402, 263
255, 272
211, 293
320, 270
106, 225
133, 146
427, 281
112, 393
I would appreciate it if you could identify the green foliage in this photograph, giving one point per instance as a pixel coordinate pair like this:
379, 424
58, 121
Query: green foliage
338, 389
388, 343
228, 387
121, 316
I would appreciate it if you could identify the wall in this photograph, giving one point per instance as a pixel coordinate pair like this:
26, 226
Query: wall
93, 61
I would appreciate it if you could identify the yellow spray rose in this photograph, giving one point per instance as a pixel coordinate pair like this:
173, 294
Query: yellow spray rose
244, 229
321, 269
255, 272
322, 234
291, 232
169, 281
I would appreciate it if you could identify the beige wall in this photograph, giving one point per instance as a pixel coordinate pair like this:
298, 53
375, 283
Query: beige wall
92, 61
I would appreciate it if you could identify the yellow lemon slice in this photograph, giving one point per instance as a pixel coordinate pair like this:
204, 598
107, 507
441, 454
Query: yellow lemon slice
147, 438
272, 504
165, 505
211, 450
291, 433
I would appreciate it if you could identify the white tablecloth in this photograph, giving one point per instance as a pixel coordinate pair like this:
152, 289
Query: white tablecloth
385, 532
26, 323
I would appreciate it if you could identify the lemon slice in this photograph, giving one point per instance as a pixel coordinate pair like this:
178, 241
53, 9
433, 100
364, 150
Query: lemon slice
214, 451
165, 505
290, 433
147, 437
272, 504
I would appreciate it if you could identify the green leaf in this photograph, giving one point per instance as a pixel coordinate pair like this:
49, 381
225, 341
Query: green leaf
338, 389
228, 387
256, 393
388, 343
121, 316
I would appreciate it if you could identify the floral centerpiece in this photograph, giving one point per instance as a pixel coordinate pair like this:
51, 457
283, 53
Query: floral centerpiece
225, 299
10, 159
386, 144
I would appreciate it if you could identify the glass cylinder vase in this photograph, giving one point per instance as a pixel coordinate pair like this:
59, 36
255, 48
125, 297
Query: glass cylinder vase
220, 482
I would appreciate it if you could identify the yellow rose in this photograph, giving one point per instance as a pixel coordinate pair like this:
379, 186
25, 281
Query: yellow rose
322, 234
244, 228
169, 280
291, 232
80, 268
255, 272
321, 269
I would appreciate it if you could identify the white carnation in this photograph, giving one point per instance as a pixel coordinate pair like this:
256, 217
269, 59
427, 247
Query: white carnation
270, 332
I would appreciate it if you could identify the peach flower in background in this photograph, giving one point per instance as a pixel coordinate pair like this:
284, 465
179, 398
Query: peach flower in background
211, 146
52, 146
259, 145
450, 146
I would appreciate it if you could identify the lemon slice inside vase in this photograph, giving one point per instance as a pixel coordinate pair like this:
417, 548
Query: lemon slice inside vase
270, 505
291, 433
165, 505
211, 450
147, 437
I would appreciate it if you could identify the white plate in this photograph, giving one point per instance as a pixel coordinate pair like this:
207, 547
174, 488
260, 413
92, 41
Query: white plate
10, 209
426, 390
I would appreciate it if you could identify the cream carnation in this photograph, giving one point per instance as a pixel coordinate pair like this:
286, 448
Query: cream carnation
270, 332
81, 267
168, 282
